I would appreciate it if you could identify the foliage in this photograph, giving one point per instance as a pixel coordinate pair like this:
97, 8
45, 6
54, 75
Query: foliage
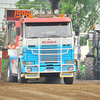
83, 12
90, 44
33, 4
83, 41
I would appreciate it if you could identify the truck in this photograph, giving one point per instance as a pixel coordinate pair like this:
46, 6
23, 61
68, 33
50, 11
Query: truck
40, 46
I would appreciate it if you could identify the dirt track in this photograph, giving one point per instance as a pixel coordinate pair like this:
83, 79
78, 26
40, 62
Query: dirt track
80, 90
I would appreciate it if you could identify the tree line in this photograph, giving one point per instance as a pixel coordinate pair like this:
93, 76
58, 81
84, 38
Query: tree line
84, 13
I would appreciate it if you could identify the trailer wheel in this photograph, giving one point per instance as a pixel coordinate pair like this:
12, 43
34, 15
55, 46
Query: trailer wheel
68, 80
20, 79
9, 77
89, 62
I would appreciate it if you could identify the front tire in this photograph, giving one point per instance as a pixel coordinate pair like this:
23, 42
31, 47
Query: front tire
68, 80
20, 79
89, 63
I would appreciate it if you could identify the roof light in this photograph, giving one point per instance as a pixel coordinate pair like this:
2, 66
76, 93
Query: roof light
61, 15
24, 16
49, 12
42, 12
65, 15
35, 12
68, 15
31, 16
56, 11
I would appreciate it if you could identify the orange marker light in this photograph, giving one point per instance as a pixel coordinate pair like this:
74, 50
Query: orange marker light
61, 15
24, 62
74, 61
91, 47
94, 26
21, 54
31, 16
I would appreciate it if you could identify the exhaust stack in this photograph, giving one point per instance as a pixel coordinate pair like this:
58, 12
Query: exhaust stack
54, 4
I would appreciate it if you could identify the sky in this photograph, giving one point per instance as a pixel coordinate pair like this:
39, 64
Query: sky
2, 6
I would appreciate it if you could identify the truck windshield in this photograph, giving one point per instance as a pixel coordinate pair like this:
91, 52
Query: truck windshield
48, 30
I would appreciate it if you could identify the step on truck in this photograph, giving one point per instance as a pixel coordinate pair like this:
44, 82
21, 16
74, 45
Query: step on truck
45, 48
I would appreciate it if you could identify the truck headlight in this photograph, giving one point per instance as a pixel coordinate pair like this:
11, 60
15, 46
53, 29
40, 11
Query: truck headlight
29, 63
69, 62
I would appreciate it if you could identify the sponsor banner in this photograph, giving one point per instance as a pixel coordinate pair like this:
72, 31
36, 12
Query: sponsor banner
66, 74
32, 75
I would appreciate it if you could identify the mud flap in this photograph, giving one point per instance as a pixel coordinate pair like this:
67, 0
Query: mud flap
67, 74
32, 75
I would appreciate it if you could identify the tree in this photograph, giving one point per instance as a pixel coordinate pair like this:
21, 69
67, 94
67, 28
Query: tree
83, 12
36, 4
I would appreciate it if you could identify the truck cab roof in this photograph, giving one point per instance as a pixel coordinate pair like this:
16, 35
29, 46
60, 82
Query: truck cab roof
44, 20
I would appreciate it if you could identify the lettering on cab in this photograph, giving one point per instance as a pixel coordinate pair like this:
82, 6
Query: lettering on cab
48, 42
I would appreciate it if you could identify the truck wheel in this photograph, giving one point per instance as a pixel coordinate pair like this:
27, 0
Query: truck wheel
89, 62
68, 80
20, 79
9, 77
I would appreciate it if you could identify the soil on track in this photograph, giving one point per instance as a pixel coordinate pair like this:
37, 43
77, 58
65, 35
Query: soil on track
80, 90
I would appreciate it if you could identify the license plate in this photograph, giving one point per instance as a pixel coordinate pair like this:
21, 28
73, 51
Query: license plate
49, 70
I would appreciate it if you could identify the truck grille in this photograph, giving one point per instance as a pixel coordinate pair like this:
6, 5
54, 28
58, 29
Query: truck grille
49, 57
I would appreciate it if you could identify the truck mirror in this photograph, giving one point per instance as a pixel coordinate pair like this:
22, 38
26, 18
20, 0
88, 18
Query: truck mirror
18, 31
87, 36
77, 31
